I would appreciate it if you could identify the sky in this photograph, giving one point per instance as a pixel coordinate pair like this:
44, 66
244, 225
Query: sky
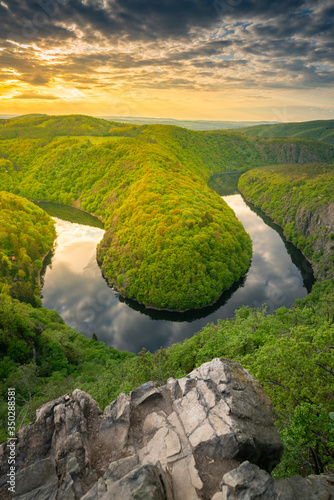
251, 60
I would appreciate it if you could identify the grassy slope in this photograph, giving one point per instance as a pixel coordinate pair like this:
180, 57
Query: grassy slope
320, 130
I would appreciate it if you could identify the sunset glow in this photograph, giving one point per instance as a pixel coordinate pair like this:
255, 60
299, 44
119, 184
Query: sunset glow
233, 60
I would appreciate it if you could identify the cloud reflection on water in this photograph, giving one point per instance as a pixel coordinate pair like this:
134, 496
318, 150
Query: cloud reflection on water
74, 286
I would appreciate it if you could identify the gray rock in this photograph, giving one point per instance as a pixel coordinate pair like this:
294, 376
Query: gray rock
227, 414
65, 433
186, 384
198, 428
300, 488
115, 425
154, 421
115, 471
120, 468
147, 482
145, 393
248, 482
174, 387
187, 484
218, 496
37, 481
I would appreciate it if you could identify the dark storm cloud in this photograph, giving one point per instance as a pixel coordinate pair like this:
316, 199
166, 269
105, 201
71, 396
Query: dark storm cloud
130, 19
24, 62
92, 61
26, 21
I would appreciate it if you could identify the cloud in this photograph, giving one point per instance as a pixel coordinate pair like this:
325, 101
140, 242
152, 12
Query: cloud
206, 45
31, 95
145, 20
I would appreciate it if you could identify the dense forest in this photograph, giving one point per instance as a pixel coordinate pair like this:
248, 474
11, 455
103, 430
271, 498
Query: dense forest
150, 179
27, 233
320, 130
148, 184
301, 200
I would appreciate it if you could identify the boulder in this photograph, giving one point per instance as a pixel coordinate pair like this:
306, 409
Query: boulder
249, 482
312, 487
115, 426
228, 415
144, 482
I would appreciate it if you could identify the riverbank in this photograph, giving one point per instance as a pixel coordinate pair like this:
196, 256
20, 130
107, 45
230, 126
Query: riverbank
301, 201
76, 289
42, 269
283, 227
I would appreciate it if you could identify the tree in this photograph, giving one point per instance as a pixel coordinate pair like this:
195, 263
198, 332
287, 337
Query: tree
308, 442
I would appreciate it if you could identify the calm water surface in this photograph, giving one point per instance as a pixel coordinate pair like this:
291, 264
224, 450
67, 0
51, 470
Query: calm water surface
74, 286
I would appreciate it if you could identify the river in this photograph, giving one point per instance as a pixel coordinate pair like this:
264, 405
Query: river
73, 285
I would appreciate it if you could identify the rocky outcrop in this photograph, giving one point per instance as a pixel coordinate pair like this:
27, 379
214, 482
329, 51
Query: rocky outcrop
186, 440
249, 482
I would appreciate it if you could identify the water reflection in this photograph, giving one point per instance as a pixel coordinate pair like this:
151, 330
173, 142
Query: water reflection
74, 286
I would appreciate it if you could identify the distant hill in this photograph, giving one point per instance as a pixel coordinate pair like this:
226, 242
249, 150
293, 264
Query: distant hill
53, 126
25, 117
210, 152
189, 124
319, 130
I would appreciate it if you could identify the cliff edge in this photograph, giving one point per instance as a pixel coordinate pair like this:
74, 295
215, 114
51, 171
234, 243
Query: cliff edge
209, 435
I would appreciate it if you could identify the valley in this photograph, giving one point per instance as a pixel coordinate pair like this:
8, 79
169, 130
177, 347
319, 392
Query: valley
170, 242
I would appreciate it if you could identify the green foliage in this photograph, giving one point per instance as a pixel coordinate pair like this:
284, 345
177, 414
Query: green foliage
71, 214
225, 184
52, 126
290, 352
308, 442
291, 195
320, 130
42, 357
170, 248
26, 235
171, 242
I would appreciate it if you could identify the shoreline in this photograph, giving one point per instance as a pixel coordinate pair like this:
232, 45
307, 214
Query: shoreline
284, 233
166, 310
73, 205
43, 259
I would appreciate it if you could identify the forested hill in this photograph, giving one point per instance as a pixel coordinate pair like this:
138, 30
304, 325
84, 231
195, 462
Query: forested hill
27, 234
171, 242
320, 130
34, 126
301, 200
211, 151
